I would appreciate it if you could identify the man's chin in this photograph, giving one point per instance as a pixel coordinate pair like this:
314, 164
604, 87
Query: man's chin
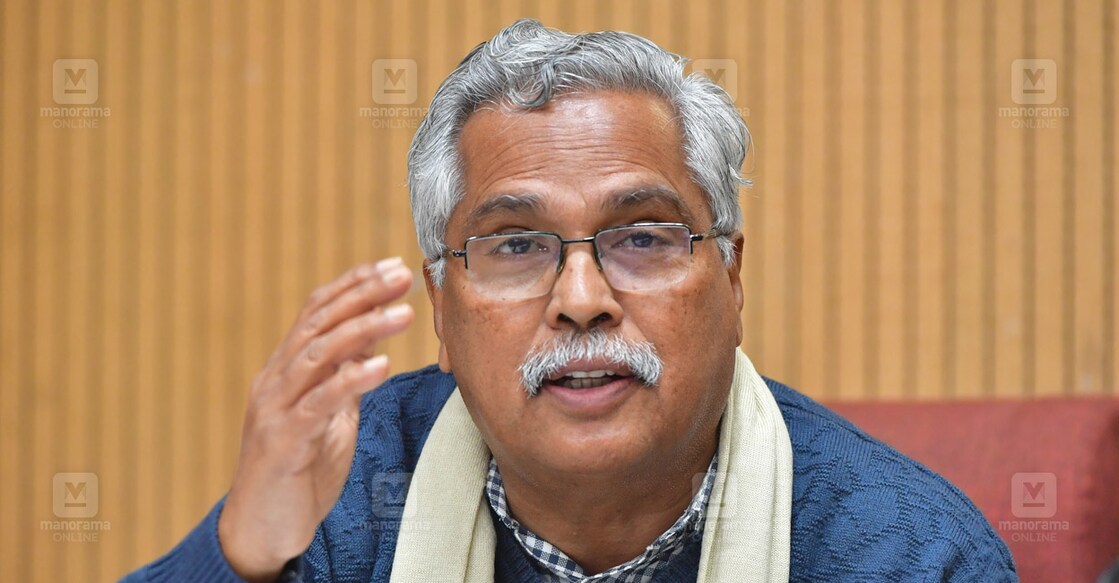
596, 465
608, 448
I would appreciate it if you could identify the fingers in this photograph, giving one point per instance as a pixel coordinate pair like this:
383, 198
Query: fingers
324, 355
302, 453
388, 282
344, 387
324, 294
361, 289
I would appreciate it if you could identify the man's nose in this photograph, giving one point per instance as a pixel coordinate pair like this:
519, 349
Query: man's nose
581, 297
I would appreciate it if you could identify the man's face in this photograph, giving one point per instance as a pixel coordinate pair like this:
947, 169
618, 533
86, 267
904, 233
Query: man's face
577, 157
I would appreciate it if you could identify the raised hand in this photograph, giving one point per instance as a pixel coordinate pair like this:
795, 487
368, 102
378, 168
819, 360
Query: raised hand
300, 429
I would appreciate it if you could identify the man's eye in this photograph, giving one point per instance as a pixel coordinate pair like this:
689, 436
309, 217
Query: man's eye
642, 240
517, 246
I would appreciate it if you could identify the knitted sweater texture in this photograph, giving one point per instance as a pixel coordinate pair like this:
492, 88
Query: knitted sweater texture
861, 510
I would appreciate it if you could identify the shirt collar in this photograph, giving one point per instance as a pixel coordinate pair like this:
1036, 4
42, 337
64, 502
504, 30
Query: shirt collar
555, 565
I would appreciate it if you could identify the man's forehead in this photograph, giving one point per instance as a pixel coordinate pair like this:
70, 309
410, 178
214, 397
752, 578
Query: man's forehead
603, 151
603, 131
578, 106
638, 197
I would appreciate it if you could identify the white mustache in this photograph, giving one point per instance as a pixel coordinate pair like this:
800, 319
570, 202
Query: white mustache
540, 363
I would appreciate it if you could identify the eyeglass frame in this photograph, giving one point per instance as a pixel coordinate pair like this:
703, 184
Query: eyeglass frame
692, 239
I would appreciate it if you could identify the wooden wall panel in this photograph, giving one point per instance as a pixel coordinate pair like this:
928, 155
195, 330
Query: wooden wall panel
1011, 183
905, 238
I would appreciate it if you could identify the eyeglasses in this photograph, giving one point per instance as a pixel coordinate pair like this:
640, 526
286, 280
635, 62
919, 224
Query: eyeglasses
637, 258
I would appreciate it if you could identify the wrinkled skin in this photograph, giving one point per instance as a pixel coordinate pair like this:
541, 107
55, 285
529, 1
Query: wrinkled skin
604, 484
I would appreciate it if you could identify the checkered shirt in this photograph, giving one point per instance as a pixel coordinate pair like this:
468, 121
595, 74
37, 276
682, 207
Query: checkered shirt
557, 567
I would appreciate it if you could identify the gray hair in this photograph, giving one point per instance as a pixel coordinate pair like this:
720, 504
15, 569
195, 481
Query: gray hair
527, 65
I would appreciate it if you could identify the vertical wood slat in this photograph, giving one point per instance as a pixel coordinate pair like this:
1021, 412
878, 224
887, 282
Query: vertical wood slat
18, 60
772, 152
74, 423
1010, 205
1109, 155
225, 251
893, 229
117, 441
988, 193
129, 169
155, 298
950, 142
1050, 307
1029, 220
325, 134
964, 96
793, 192
931, 199
1086, 231
852, 57
903, 239
296, 219
192, 213
830, 99
363, 220
44, 398
262, 101
95, 305
811, 344
1069, 185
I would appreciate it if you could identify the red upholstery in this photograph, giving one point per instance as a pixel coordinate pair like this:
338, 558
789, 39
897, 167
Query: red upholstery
980, 445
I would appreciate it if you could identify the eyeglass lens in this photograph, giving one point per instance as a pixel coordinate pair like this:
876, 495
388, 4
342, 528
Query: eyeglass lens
633, 258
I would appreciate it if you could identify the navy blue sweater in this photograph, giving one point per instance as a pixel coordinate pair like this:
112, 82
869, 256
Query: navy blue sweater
861, 510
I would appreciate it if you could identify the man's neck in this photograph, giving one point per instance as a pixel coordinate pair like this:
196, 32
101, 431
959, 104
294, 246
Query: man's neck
603, 521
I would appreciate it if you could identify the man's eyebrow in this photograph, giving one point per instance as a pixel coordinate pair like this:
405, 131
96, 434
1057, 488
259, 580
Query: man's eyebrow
510, 203
637, 197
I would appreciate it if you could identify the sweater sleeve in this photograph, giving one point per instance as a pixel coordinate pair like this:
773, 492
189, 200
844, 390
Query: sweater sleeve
349, 545
198, 557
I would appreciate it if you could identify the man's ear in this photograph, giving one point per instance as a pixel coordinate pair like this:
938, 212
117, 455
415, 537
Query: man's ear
734, 272
435, 294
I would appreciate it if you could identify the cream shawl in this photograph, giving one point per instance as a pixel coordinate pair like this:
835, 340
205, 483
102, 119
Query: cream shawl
447, 535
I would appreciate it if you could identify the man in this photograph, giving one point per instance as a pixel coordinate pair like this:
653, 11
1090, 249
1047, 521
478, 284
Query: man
591, 418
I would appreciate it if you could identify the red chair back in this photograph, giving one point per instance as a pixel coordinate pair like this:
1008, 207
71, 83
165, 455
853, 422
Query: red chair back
1044, 472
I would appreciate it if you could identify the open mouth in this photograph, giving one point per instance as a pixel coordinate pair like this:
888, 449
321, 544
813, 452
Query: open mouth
589, 390
586, 379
